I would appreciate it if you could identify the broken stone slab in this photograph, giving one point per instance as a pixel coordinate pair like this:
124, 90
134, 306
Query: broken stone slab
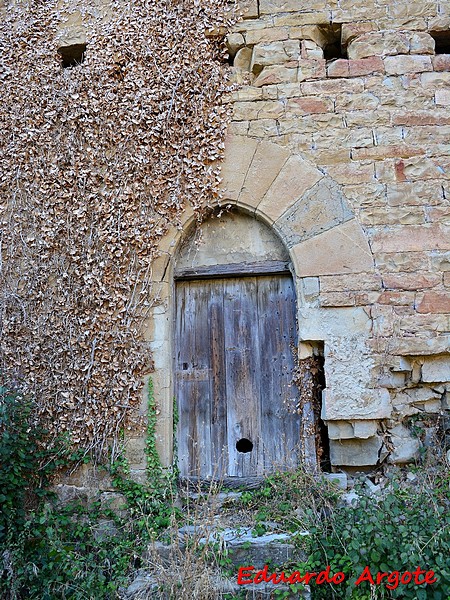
436, 370
355, 453
406, 447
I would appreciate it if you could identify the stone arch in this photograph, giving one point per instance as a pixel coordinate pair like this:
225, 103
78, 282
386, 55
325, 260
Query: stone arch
305, 207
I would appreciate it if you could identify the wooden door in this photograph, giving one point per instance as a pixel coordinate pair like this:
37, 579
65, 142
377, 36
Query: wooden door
235, 340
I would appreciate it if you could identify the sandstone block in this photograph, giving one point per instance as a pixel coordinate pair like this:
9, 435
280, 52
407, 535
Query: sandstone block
405, 445
243, 59
331, 87
340, 283
436, 370
295, 19
411, 238
310, 287
308, 105
355, 453
250, 8
308, 32
421, 42
235, 41
350, 31
423, 117
135, 452
398, 65
397, 298
264, 109
378, 44
441, 62
351, 298
274, 74
442, 97
434, 302
275, 53
382, 152
265, 36
447, 279
320, 208
338, 68
411, 281
351, 173
340, 430
365, 429
435, 80
296, 176
265, 167
417, 193
239, 152
343, 249
309, 68
263, 128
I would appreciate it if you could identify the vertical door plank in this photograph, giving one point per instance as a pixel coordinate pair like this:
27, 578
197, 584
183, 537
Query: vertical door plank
242, 373
193, 379
219, 448
280, 436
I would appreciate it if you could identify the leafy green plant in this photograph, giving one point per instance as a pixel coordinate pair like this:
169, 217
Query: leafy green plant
406, 528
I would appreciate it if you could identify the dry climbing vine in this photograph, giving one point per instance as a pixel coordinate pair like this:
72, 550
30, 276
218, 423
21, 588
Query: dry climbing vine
97, 161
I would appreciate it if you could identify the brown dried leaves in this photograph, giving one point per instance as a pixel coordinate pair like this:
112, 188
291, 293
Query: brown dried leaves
97, 161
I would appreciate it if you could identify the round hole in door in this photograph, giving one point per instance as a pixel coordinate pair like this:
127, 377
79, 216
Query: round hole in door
244, 445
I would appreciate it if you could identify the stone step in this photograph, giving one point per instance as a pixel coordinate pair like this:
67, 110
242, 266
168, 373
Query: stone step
145, 587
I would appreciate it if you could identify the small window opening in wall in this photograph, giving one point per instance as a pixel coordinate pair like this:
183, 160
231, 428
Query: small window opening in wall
442, 40
73, 55
333, 48
244, 445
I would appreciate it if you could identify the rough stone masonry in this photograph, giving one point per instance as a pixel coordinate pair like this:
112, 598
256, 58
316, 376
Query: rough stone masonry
340, 139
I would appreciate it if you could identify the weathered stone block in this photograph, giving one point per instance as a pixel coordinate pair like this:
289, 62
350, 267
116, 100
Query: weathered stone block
319, 209
364, 429
434, 302
275, 74
355, 453
363, 404
243, 58
275, 53
331, 87
239, 152
308, 105
249, 8
342, 249
411, 238
378, 44
350, 31
436, 370
267, 162
421, 42
442, 97
410, 281
266, 36
296, 176
340, 430
441, 62
398, 65
235, 41
405, 445
135, 452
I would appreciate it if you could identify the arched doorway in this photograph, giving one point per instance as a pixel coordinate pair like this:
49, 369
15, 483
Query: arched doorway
235, 352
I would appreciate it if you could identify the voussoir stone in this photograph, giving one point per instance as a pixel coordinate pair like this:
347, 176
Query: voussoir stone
342, 249
294, 179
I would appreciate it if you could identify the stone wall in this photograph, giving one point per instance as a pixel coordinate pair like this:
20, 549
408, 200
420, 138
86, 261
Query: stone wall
339, 138
339, 142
